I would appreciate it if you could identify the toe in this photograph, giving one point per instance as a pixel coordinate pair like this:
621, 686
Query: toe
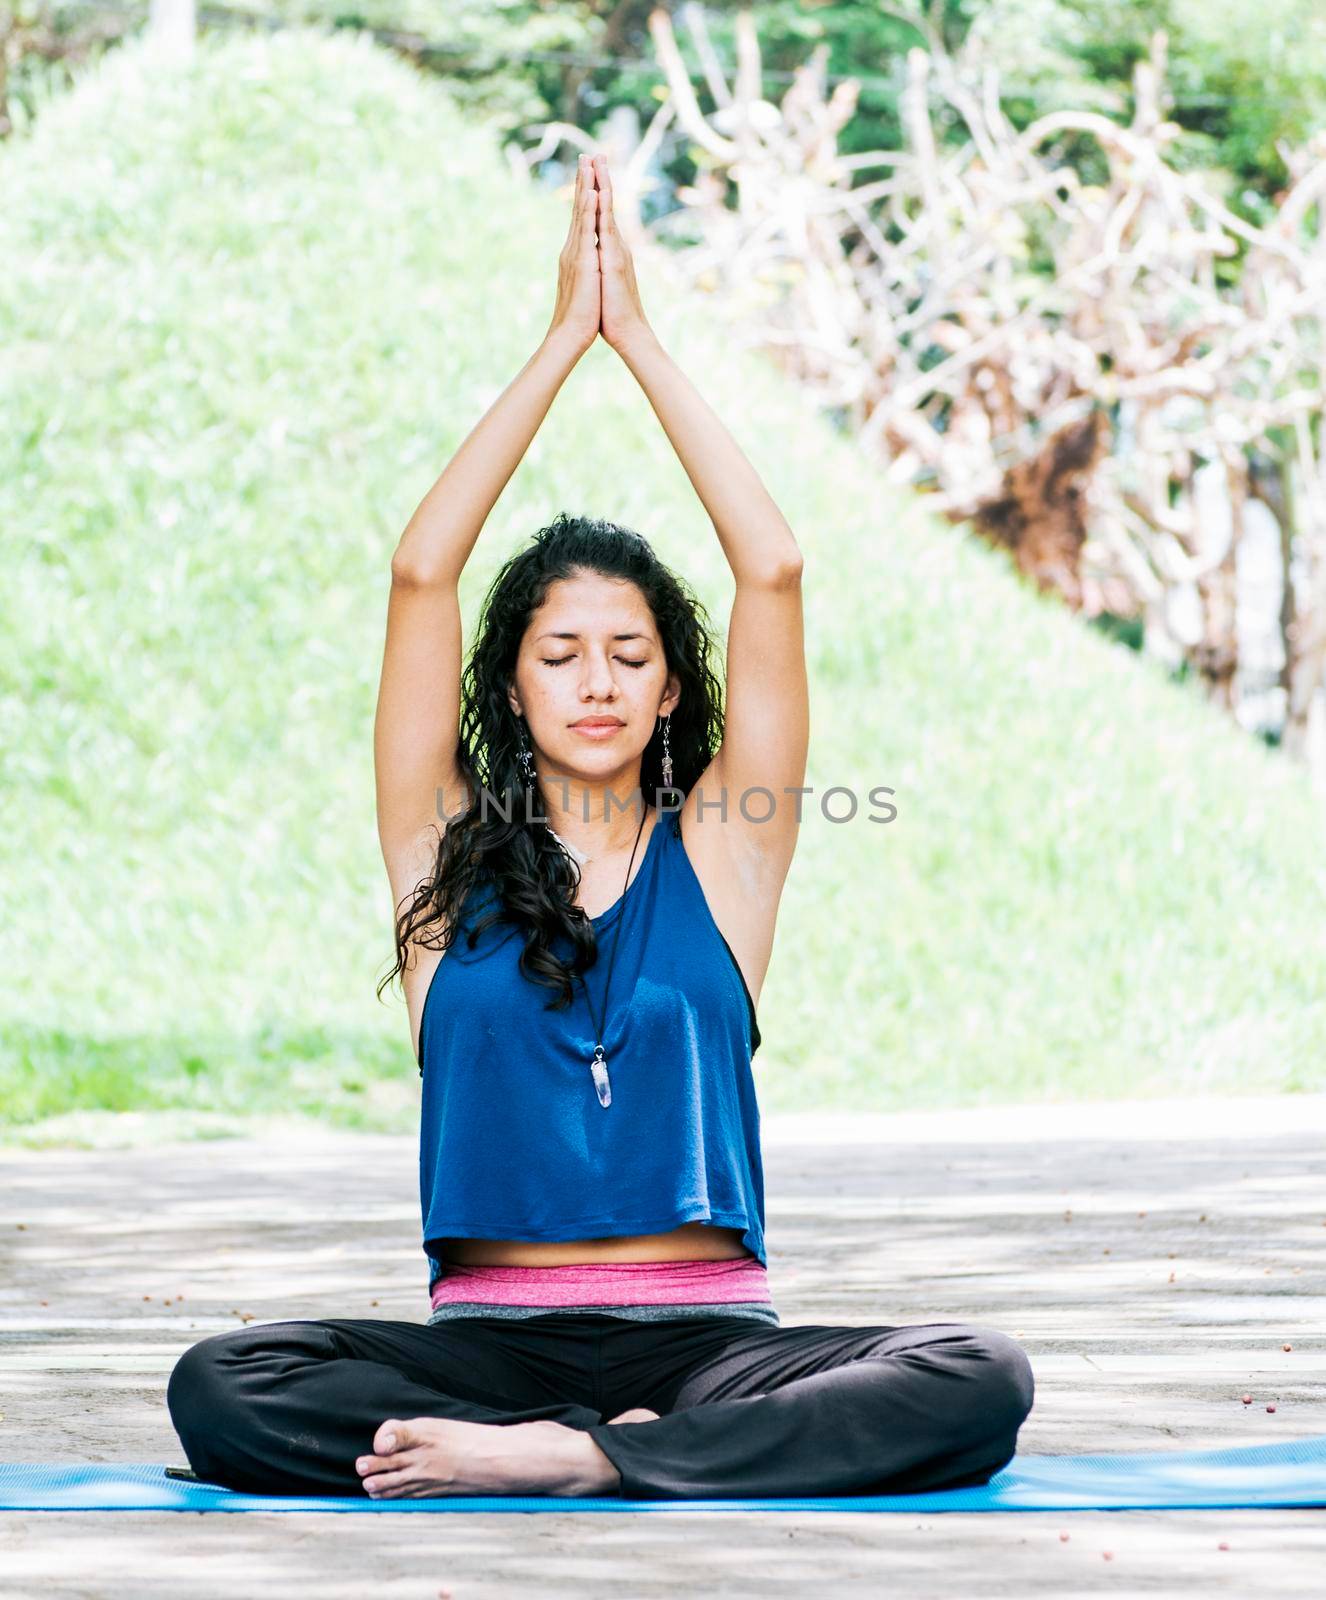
387, 1483
389, 1463
390, 1437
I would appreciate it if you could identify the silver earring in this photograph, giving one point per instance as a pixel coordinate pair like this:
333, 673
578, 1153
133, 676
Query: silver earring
526, 760
667, 753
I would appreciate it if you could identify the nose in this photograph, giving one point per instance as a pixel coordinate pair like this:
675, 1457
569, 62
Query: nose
596, 681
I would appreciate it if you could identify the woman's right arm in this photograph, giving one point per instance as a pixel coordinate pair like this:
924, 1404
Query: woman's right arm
416, 732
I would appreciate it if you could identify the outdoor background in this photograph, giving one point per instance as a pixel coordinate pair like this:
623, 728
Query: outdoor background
257, 291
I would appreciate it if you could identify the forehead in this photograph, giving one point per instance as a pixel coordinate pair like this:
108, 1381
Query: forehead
593, 605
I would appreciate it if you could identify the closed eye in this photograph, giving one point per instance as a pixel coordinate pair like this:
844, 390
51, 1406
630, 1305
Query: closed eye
562, 660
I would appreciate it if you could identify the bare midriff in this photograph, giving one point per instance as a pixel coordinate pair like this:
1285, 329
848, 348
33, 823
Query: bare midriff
693, 1241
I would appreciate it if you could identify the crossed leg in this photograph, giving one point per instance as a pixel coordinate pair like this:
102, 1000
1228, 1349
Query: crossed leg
292, 1407
817, 1410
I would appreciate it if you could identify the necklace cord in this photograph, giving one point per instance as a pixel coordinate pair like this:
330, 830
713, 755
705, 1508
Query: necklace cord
598, 1066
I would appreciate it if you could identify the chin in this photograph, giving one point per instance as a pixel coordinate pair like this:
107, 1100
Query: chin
587, 761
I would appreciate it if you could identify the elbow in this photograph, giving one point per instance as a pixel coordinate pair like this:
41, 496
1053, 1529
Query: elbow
406, 574
786, 575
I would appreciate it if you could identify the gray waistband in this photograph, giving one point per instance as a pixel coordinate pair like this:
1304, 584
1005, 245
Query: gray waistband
753, 1310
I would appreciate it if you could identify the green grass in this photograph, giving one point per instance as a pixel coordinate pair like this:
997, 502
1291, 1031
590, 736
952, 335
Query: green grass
251, 309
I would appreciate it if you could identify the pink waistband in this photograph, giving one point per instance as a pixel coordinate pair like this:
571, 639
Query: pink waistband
619, 1283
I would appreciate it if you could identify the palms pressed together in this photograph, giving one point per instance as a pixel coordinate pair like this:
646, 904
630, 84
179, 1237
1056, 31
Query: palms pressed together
597, 291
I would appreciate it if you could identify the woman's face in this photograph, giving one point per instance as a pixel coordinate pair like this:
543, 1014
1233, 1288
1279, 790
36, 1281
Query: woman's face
592, 650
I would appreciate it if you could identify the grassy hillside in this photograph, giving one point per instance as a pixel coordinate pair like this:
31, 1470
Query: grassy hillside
250, 311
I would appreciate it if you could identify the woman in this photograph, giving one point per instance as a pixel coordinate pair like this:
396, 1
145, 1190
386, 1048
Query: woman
607, 841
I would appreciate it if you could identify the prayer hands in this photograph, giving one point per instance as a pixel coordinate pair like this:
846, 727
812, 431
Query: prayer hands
596, 287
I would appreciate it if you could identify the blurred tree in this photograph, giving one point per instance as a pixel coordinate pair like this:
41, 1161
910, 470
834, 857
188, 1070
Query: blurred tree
1243, 76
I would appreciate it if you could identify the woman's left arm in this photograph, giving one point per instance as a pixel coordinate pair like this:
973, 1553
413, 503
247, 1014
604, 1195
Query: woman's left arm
767, 716
756, 539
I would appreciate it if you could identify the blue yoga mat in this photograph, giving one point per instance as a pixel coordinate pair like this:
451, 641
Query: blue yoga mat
1291, 1474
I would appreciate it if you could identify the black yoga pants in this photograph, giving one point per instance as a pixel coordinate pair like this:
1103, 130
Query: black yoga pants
745, 1409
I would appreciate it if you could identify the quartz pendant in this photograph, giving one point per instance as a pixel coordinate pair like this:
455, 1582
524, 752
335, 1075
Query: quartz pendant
599, 1068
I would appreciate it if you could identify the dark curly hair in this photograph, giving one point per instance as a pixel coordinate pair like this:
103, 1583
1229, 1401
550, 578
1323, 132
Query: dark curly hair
532, 876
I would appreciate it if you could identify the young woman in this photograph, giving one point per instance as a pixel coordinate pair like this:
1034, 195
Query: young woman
587, 851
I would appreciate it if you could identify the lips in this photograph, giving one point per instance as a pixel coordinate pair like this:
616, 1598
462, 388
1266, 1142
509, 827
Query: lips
599, 722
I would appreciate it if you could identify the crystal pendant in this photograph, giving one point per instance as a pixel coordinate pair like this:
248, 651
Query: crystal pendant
599, 1068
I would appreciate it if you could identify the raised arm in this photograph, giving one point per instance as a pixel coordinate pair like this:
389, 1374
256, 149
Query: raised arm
416, 731
767, 715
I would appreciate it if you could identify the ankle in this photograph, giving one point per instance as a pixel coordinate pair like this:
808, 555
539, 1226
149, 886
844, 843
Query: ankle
590, 1472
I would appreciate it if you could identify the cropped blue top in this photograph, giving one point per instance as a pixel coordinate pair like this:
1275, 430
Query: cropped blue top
513, 1142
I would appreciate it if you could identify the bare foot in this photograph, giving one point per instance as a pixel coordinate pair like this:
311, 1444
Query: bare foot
639, 1414
439, 1456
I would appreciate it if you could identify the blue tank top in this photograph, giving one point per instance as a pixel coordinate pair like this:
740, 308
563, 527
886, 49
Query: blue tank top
513, 1142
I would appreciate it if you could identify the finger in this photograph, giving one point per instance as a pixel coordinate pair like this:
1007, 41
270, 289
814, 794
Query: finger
580, 234
590, 215
604, 179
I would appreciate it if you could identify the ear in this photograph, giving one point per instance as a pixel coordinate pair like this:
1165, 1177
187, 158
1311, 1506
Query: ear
513, 699
672, 699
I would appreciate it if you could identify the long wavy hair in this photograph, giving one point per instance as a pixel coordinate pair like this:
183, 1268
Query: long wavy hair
532, 877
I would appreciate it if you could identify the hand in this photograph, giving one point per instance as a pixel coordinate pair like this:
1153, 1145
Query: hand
576, 315
623, 318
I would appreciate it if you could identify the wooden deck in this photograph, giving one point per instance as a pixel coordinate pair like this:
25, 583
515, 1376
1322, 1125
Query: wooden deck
1153, 1257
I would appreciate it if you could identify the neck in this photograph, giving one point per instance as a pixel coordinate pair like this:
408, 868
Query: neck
594, 819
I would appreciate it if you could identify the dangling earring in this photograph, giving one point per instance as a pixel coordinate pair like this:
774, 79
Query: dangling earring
667, 753
526, 759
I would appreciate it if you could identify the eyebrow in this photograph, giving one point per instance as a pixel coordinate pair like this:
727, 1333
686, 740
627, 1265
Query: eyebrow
576, 636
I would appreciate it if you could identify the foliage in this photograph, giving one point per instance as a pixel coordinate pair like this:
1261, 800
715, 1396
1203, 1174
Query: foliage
251, 309
1244, 75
